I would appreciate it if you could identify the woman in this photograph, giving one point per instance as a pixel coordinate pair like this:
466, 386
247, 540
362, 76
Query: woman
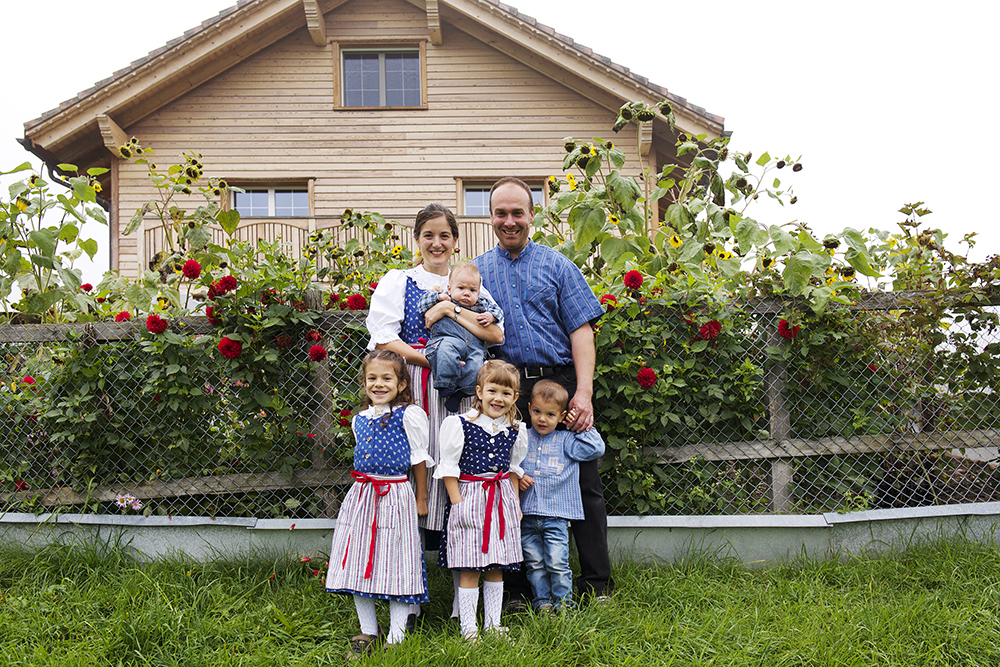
395, 324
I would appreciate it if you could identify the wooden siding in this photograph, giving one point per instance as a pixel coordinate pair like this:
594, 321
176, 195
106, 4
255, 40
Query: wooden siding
273, 116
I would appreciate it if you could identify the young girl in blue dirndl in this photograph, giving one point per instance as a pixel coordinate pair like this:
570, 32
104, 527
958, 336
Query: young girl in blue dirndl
376, 552
480, 463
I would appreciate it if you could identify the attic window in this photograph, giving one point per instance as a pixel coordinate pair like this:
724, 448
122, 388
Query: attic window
383, 78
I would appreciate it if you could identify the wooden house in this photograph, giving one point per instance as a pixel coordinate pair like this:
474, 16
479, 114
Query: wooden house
315, 106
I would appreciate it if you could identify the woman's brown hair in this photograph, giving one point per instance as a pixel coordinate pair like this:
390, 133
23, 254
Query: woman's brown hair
430, 212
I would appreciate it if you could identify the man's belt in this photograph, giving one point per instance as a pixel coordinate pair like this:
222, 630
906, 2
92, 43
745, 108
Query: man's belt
534, 372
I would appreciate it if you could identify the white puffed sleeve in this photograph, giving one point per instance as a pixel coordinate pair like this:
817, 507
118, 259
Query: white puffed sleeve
519, 450
386, 311
417, 428
451, 441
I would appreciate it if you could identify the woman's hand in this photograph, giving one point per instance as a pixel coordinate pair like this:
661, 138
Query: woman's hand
439, 310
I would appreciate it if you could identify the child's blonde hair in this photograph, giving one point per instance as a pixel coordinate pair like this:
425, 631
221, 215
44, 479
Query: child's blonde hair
398, 365
465, 267
504, 374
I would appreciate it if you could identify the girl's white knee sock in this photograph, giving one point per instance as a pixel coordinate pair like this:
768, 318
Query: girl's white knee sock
366, 615
468, 605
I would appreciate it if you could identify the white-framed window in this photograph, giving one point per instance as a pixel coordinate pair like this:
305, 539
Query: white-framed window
381, 77
477, 199
276, 202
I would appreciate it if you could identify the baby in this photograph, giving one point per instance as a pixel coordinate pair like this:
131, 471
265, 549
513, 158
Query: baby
454, 352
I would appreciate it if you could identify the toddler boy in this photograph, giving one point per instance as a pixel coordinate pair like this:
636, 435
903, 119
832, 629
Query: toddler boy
550, 494
453, 352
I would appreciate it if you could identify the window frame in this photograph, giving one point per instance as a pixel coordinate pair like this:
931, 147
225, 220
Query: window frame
343, 46
271, 189
463, 187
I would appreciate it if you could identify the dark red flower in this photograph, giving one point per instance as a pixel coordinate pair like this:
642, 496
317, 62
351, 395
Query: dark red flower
620, 345
632, 280
27, 379
269, 296
283, 340
346, 412
156, 324
123, 316
191, 269
357, 302
212, 293
332, 300
21, 485
230, 348
101, 299
710, 330
314, 336
872, 368
86, 287
345, 422
317, 353
210, 314
646, 377
687, 318
224, 285
786, 331
299, 306
609, 302
373, 286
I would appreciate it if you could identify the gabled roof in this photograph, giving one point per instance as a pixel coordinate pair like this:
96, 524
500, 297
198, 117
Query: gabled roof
79, 129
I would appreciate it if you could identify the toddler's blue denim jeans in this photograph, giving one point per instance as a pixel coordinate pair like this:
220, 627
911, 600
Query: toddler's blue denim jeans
545, 543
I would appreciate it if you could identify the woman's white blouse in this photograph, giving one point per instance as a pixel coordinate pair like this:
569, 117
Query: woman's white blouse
386, 311
452, 440
417, 429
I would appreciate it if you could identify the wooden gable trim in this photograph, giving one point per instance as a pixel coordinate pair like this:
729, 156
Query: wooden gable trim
434, 22
315, 21
545, 52
178, 69
113, 135
645, 131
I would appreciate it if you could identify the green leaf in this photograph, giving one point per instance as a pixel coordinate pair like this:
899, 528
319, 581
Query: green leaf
68, 233
24, 166
66, 167
96, 171
763, 159
798, 269
611, 249
860, 263
229, 220
809, 243
587, 220
263, 399
783, 241
136, 220
45, 240
89, 246
702, 162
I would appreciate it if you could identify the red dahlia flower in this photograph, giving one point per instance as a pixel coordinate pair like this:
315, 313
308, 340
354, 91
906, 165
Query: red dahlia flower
230, 348
314, 336
632, 280
123, 316
786, 331
156, 324
609, 302
86, 287
332, 300
191, 269
872, 368
710, 330
224, 285
28, 380
646, 377
317, 353
357, 302
283, 340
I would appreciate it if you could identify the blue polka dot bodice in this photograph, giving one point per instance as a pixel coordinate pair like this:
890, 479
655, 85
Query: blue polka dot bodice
413, 320
485, 452
381, 450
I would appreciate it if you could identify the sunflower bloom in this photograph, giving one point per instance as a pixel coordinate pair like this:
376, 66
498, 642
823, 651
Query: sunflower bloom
675, 241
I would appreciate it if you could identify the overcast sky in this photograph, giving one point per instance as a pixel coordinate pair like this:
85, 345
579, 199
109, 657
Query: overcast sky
887, 102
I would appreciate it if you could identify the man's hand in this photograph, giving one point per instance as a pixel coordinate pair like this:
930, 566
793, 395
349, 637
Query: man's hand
525, 482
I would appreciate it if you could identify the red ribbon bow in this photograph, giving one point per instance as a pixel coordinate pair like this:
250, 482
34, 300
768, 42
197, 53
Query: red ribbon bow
492, 487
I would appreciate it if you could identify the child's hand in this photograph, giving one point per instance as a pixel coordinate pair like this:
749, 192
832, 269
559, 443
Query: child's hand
485, 319
525, 482
444, 296
421, 507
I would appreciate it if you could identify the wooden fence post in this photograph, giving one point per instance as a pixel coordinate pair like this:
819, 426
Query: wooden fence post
781, 427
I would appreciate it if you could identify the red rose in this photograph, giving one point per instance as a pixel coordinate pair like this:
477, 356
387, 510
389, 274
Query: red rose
357, 302
786, 331
314, 336
210, 314
632, 280
156, 324
646, 377
191, 269
317, 353
230, 348
28, 380
609, 302
86, 287
21, 485
872, 368
283, 340
123, 316
709, 330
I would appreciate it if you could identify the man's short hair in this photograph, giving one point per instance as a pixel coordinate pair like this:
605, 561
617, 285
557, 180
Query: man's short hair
550, 392
519, 183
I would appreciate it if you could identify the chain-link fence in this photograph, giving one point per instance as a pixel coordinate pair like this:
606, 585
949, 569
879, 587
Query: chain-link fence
861, 408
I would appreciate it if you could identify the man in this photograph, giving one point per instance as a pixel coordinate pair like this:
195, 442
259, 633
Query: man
550, 310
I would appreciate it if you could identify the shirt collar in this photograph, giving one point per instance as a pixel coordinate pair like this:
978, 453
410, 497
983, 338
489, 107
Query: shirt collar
524, 251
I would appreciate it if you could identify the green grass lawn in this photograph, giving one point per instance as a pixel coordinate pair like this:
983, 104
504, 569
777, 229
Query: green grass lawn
932, 605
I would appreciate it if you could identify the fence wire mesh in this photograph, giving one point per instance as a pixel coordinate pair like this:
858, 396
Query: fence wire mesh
893, 416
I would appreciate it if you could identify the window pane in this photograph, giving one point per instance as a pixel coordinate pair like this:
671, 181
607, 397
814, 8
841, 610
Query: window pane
402, 79
289, 203
537, 198
361, 79
477, 201
252, 203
